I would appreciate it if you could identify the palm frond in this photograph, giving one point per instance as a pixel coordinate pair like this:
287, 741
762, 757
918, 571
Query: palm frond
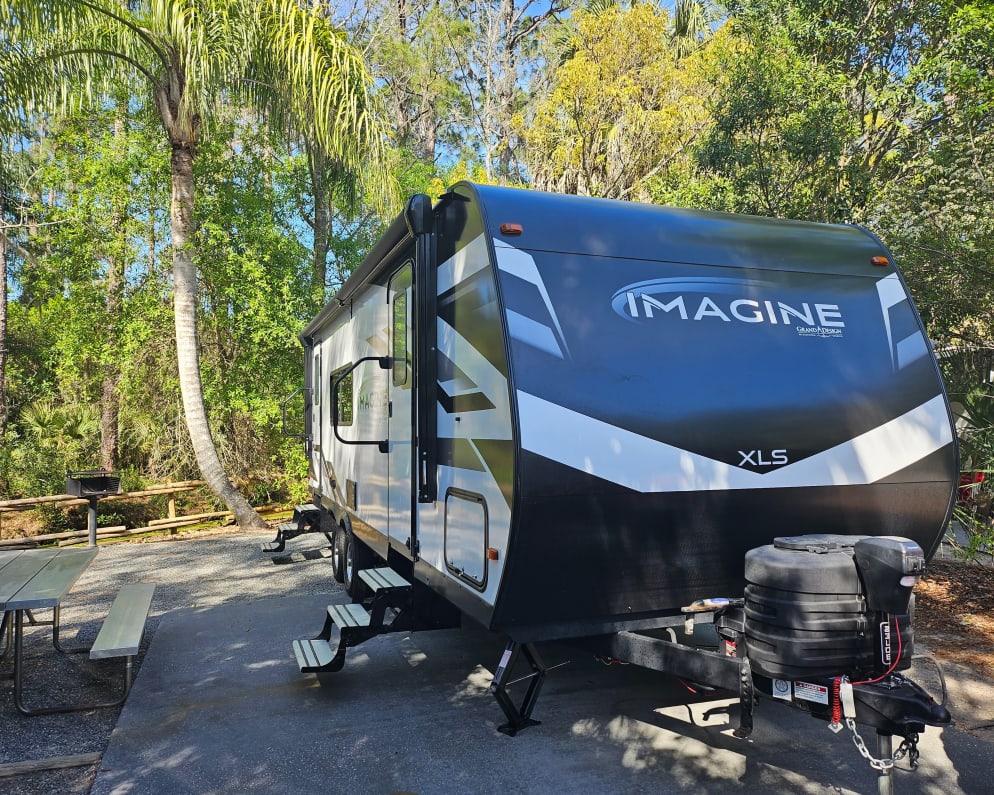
309, 74
65, 55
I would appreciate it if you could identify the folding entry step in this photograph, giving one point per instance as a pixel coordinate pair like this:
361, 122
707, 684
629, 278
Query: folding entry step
306, 519
312, 655
317, 655
284, 531
383, 580
355, 623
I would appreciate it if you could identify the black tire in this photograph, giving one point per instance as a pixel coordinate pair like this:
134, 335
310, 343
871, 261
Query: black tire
338, 554
356, 558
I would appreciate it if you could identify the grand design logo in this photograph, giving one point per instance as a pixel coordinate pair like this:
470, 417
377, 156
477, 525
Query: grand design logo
717, 299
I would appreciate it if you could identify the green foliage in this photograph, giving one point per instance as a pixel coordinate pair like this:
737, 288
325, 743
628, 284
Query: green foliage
416, 51
967, 370
621, 108
939, 216
291, 462
831, 110
53, 437
255, 300
968, 61
781, 127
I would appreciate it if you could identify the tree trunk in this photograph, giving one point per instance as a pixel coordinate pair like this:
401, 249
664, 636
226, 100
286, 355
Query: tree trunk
318, 163
108, 418
3, 317
185, 293
114, 302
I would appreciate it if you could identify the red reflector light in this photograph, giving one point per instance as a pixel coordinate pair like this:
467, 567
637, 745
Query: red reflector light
880, 262
492, 554
511, 229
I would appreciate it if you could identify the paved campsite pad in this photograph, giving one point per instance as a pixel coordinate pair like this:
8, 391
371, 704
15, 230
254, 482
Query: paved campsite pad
220, 707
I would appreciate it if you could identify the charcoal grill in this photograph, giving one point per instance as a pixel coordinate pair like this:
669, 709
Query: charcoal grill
92, 484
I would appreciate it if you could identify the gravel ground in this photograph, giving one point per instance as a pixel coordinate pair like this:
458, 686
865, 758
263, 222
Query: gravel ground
199, 570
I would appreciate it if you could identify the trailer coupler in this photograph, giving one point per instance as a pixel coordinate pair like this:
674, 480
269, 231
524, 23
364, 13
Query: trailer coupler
518, 717
897, 705
894, 705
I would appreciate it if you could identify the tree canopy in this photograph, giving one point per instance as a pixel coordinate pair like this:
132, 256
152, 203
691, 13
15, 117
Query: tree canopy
306, 121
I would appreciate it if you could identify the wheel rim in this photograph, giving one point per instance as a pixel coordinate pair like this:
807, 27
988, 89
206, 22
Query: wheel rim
349, 560
336, 555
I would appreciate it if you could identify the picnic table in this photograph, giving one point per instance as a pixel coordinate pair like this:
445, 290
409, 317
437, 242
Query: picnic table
35, 579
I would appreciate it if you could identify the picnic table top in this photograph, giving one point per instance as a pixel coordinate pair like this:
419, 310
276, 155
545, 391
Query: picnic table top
38, 578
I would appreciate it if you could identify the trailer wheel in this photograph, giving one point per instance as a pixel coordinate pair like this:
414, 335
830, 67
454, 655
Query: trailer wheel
356, 558
338, 553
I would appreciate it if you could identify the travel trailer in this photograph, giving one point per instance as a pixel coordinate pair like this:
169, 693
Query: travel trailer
612, 424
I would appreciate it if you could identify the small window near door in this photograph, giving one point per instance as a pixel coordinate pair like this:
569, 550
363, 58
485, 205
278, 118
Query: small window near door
401, 326
400, 339
343, 409
317, 379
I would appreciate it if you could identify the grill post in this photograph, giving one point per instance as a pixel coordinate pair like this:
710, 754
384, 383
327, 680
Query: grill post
92, 484
91, 521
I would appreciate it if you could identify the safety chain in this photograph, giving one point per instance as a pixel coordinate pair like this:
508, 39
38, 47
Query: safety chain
843, 703
908, 748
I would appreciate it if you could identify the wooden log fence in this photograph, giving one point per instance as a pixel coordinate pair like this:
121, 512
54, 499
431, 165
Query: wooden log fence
68, 500
171, 523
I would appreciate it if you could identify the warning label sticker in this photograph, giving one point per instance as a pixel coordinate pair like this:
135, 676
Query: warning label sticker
781, 689
805, 691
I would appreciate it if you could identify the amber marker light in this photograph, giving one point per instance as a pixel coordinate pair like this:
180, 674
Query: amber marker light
493, 554
511, 229
880, 262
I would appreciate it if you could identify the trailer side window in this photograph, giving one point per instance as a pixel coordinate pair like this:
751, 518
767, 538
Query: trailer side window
401, 324
317, 379
343, 408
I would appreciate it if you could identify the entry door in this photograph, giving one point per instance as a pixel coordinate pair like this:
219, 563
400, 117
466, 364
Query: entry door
401, 453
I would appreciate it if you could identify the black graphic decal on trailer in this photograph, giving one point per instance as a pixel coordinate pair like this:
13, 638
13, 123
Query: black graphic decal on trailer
457, 392
528, 308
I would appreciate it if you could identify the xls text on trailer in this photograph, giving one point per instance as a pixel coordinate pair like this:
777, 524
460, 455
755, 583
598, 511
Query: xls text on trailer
608, 423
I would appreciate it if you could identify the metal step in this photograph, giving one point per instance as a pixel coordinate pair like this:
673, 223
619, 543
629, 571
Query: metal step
383, 580
355, 623
305, 516
313, 655
346, 616
284, 531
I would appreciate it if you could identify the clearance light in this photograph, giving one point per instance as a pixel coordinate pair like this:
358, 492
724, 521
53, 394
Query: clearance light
880, 262
493, 554
511, 229
909, 581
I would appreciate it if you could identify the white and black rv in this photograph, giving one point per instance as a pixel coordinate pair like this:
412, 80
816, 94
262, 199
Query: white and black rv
571, 418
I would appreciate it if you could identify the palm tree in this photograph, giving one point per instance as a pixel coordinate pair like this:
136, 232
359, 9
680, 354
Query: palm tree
190, 56
692, 21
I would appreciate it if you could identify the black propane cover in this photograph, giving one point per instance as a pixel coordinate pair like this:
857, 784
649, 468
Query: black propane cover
890, 567
806, 609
